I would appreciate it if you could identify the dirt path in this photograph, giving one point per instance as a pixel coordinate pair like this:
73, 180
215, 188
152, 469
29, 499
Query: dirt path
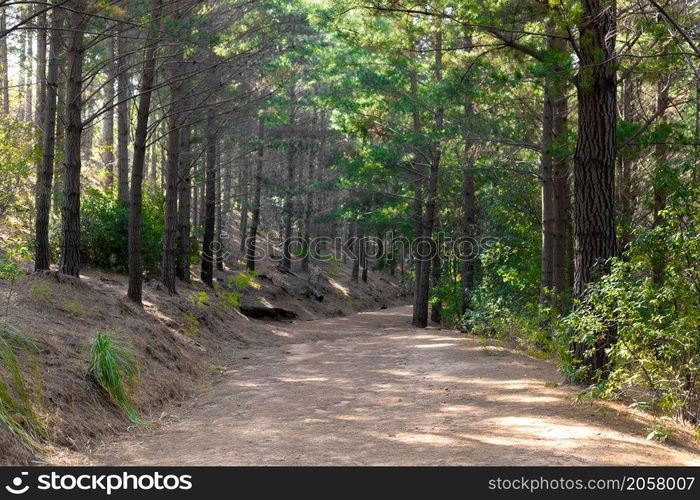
368, 389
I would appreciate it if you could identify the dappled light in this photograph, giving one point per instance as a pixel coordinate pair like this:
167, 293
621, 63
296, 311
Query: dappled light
362, 396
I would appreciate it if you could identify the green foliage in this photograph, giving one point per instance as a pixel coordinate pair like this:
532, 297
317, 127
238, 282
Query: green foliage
199, 298
244, 280
660, 433
113, 367
653, 361
104, 231
18, 157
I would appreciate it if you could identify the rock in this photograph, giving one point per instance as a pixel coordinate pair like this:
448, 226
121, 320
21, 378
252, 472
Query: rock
260, 311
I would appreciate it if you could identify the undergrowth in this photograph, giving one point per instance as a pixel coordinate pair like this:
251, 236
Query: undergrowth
113, 367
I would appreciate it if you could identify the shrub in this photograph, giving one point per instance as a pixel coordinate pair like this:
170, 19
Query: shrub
104, 226
113, 367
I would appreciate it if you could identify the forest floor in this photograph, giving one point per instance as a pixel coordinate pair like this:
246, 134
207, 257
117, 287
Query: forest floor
369, 389
181, 343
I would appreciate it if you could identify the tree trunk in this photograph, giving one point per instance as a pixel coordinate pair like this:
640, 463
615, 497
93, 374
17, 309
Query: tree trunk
70, 212
108, 119
245, 202
42, 254
624, 186
29, 89
286, 263
660, 182
436, 276
41, 71
594, 163
207, 267
4, 74
123, 120
468, 209
308, 210
183, 216
560, 172
547, 197
220, 244
135, 292
420, 307
354, 236
251, 241
172, 174
418, 179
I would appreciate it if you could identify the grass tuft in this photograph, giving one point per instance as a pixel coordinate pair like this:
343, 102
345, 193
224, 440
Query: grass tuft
113, 367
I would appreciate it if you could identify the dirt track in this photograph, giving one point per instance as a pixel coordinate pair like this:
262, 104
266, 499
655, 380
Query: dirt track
375, 391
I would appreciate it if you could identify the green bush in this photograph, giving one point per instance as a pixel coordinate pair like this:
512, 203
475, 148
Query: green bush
655, 360
104, 226
113, 367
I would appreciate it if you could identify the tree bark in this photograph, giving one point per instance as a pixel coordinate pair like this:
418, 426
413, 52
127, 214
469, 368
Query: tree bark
547, 198
420, 307
108, 119
184, 197
123, 119
207, 266
42, 256
41, 71
469, 229
172, 174
286, 263
245, 201
70, 212
135, 291
251, 241
594, 163
660, 182
4, 75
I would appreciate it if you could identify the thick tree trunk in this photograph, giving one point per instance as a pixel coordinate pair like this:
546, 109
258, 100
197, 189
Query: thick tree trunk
172, 175
594, 163
207, 265
135, 291
108, 119
70, 212
123, 120
251, 241
45, 173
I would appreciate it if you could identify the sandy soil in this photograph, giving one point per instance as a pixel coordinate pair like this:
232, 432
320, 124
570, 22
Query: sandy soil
369, 389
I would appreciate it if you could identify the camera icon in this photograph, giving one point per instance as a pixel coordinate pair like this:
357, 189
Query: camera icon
16, 488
